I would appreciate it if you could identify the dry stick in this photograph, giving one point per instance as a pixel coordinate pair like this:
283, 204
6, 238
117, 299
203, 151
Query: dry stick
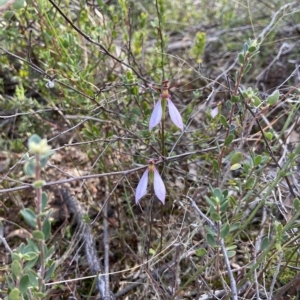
275, 275
106, 243
89, 243
268, 29
88, 38
221, 242
123, 173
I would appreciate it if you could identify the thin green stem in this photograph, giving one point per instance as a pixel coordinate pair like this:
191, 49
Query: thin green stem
163, 137
38, 192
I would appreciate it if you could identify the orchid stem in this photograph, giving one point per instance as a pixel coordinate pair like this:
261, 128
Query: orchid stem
163, 137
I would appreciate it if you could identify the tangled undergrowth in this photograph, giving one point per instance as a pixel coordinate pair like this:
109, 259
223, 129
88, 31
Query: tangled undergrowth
149, 150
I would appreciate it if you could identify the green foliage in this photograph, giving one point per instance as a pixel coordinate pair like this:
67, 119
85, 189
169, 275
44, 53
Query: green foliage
90, 87
197, 49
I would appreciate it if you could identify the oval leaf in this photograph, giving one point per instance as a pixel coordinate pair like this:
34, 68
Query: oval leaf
225, 230
24, 283
211, 240
272, 99
29, 217
46, 228
236, 158
215, 216
200, 252
38, 235
235, 167
231, 253
16, 268
229, 139
15, 294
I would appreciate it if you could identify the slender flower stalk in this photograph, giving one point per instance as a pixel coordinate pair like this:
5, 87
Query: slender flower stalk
159, 111
159, 186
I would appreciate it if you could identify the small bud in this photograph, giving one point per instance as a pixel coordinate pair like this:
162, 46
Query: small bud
38, 145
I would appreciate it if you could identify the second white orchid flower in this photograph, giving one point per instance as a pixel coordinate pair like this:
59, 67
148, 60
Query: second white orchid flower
158, 184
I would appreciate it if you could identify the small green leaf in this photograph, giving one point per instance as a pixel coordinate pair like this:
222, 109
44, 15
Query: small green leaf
257, 160
265, 243
49, 252
235, 167
231, 247
251, 49
223, 121
217, 193
225, 230
229, 139
296, 204
210, 230
225, 193
16, 256
65, 43
211, 240
16, 268
256, 101
269, 135
34, 139
39, 183
9, 14
33, 277
29, 217
235, 99
18, 4
241, 58
30, 264
45, 158
224, 205
32, 246
215, 164
232, 201
136, 110
151, 251
248, 67
29, 168
278, 246
44, 201
273, 98
24, 283
228, 104
46, 228
215, 216
250, 183
200, 252
15, 294
231, 253
50, 271
38, 235
29, 256
40, 295
236, 158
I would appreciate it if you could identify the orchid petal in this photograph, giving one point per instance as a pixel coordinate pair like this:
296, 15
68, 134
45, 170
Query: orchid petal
214, 112
141, 189
175, 115
159, 187
156, 115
